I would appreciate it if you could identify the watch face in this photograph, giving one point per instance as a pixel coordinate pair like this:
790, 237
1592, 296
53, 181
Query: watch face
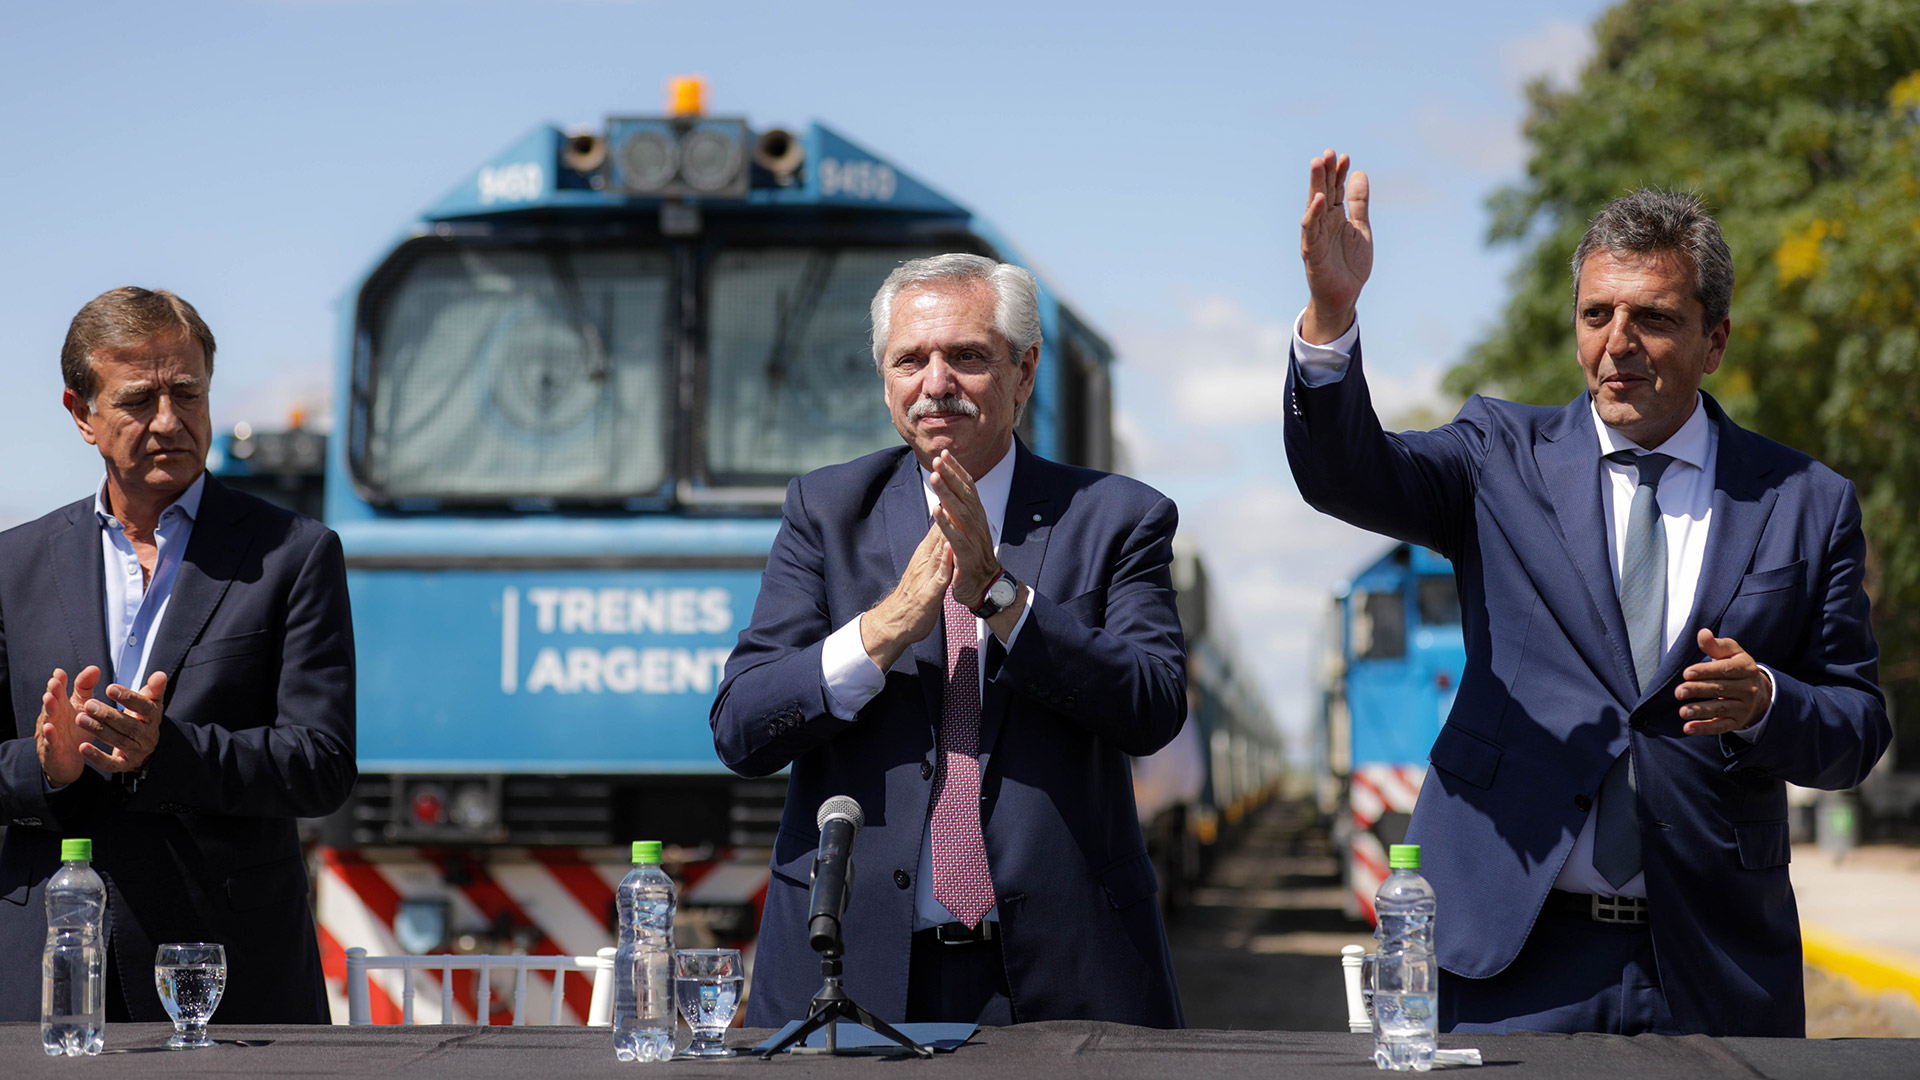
1000, 594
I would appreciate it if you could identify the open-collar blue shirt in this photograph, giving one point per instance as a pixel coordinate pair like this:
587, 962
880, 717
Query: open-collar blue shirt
136, 605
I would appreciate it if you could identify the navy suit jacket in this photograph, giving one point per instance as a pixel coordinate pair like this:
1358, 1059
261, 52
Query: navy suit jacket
1549, 699
257, 730
1098, 672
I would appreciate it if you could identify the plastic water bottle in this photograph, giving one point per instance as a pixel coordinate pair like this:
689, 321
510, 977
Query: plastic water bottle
1406, 993
73, 982
643, 1009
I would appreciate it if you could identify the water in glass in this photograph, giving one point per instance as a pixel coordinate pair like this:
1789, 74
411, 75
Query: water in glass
190, 977
707, 984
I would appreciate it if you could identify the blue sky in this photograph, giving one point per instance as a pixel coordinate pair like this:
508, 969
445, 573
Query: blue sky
257, 156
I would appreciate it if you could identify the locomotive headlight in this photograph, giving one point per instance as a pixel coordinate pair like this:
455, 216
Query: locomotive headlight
669, 157
712, 160
649, 159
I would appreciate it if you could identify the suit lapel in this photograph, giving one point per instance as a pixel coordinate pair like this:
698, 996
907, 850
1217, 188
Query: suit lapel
1568, 454
1742, 503
79, 576
212, 558
1023, 549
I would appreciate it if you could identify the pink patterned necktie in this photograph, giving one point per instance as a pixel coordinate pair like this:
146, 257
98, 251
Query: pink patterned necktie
960, 879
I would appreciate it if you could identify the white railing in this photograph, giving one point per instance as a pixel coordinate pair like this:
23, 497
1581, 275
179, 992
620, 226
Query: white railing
599, 968
1350, 961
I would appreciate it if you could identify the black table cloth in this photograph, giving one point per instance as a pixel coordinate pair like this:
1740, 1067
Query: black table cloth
1056, 1050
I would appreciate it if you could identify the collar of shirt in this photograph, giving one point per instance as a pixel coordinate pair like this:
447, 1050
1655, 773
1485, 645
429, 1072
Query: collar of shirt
992, 488
1691, 444
188, 504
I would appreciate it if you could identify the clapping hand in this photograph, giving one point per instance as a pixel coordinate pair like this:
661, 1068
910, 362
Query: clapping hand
963, 521
132, 730
915, 606
56, 735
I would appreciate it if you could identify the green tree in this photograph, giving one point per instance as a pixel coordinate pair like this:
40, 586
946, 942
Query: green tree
1800, 124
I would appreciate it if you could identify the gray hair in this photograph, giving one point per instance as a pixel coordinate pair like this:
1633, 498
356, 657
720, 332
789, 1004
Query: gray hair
1016, 298
1650, 221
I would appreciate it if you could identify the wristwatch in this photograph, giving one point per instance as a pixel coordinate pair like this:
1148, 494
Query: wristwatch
1000, 596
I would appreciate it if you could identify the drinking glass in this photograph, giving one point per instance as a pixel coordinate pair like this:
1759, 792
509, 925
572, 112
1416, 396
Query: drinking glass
706, 983
190, 977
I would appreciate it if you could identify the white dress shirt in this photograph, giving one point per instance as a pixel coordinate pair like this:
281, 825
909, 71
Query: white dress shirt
852, 678
1685, 498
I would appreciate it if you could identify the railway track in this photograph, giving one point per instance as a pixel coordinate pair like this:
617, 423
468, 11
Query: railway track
1257, 946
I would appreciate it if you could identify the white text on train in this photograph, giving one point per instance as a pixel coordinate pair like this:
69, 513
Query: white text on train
631, 611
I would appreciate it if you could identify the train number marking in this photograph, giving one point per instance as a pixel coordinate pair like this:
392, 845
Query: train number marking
512, 183
868, 180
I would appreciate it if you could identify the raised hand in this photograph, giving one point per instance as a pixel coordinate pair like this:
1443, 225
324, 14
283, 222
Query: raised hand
1336, 244
1728, 692
57, 735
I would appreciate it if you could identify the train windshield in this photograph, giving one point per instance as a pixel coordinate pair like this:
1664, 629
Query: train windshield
513, 373
503, 374
791, 384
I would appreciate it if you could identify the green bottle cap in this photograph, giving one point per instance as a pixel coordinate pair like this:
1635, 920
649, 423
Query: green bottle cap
1404, 856
76, 849
646, 851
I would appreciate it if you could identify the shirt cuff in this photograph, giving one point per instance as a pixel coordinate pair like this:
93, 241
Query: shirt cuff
1752, 734
849, 674
1323, 364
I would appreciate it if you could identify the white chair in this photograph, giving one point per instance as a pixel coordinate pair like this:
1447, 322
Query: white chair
1351, 958
599, 1012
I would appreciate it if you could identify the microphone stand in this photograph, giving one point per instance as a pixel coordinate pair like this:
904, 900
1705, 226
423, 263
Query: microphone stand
832, 1003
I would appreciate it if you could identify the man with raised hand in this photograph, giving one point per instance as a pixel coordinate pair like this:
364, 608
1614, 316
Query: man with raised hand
1665, 626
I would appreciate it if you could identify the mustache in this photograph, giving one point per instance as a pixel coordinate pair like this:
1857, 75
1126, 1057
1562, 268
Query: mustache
953, 405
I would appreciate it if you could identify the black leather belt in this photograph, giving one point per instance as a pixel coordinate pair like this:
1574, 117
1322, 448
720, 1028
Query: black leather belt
958, 933
1617, 910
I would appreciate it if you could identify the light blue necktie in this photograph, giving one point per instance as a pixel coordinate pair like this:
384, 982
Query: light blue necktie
1643, 603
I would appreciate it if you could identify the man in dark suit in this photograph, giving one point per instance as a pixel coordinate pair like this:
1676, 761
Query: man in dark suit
968, 640
1657, 642
177, 662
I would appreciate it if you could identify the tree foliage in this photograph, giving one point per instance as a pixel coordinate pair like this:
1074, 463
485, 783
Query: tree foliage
1800, 124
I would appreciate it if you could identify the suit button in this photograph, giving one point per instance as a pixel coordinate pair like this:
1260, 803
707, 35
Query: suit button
926, 770
1581, 802
903, 879
1638, 723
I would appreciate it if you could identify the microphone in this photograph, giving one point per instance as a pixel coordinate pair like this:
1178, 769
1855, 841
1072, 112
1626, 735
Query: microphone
839, 820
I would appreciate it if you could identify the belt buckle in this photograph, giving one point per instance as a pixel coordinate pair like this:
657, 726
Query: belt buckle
957, 933
1619, 910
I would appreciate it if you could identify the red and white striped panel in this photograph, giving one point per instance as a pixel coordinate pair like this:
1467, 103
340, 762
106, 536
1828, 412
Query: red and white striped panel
1375, 791
562, 897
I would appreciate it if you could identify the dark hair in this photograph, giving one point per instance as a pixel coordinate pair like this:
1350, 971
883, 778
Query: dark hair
1650, 221
119, 318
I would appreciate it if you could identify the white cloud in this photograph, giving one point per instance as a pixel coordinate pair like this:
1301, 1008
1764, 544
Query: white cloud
1491, 144
1200, 407
1485, 144
1555, 51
